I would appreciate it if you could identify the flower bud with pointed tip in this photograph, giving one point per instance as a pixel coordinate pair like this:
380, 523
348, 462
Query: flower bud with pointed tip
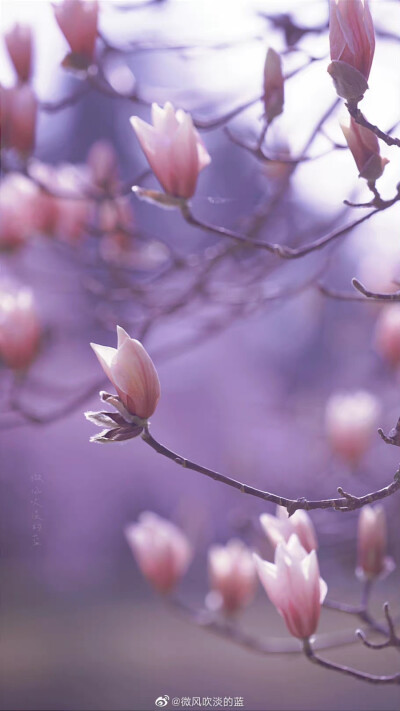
174, 149
77, 20
294, 586
232, 575
279, 528
351, 34
161, 549
19, 46
19, 109
19, 328
387, 334
132, 372
364, 146
372, 541
274, 95
350, 423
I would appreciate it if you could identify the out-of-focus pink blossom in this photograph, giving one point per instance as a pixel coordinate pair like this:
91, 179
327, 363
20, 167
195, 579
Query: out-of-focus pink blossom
294, 586
387, 334
17, 210
19, 108
279, 528
19, 327
174, 149
161, 549
365, 149
19, 46
103, 166
372, 542
274, 93
232, 575
132, 372
77, 20
351, 34
351, 421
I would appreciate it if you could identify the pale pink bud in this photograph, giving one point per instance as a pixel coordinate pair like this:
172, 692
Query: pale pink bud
103, 165
351, 421
351, 34
365, 149
274, 96
17, 208
132, 372
174, 149
294, 586
372, 541
161, 549
232, 575
19, 328
279, 528
387, 334
19, 46
77, 20
18, 118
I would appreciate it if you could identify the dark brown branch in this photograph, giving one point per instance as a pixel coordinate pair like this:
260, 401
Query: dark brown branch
359, 117
348, 671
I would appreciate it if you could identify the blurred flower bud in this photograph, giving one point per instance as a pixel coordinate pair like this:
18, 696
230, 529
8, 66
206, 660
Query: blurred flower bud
18, 118
103, 165
294, 586
77, 20
387, 334
161, 549
273, 85
19, 46
17, 208
372, 559
351, 34
350, 421
232, 575
279, 528
365, 149
19, 327
174, 149
132, 372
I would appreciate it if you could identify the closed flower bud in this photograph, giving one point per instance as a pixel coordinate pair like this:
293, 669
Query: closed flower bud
351, 34
365, 149
19, 46
232, 575
103, 165
372, 541
161, 549
273, 85
17, 209
19, 328
132, 372
387, 334
294, 586
18, 118
279, 528
350, 421
77, 20
174, 149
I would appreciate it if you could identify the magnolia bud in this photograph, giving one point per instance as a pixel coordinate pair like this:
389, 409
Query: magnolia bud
372, 559
387, 334
19, 328
232, 575
350, 420
274, 96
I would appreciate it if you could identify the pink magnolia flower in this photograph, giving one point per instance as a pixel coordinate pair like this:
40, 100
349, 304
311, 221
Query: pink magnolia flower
19, 327
232, 575
103, 165
350, 421
161, 549
132, 372
19, 46
351, 34
387, 334
279, 528
274, 95
365, 149
77, 20
174, 149
19, 108
294, 586
372, 541
17, 207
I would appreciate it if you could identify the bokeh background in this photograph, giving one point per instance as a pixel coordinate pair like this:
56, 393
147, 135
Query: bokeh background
80, 629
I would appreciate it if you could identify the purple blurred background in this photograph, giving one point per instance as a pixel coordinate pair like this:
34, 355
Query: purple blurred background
80, 629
